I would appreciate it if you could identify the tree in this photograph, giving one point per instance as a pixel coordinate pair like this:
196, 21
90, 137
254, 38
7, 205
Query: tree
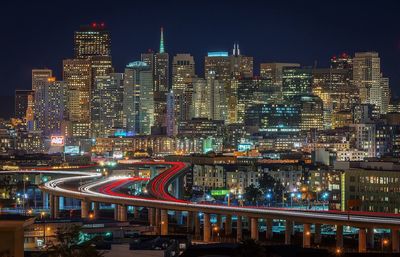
269, 184
252, 194
69, 243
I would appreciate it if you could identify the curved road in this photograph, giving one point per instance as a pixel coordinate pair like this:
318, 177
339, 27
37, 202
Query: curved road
105, 191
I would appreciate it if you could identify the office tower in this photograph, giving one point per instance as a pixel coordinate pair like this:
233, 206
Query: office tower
274, 71
342, 61
92, 40
49, 108
296, 81
183, 72
365, 137
335, 88
241, 66
251, 91
209, 98
311, 109
274, 117
106, 107
21, 103
171, 124
77, 73
40, 76
138, 103
383, 96
367, 75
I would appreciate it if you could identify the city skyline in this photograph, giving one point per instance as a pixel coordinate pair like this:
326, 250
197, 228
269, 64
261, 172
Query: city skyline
301, 27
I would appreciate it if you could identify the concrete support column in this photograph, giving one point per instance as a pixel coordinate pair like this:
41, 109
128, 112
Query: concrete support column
228, 225
151, 216
122, 213
339, 236
254, 228
85, 207
189, 221
370, 238
219, 221
207, 228
51, 204
317, 235
136, 213
362, 240
96, 210
395, 240
196, 219
239, 228
18, 250
116, 212
288, 232
269, 233
164, 222
306, 235
158, 221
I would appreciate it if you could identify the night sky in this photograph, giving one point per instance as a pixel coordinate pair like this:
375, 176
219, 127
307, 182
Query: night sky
37, 34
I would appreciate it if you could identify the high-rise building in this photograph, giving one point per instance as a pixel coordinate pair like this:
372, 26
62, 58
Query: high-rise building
311, 109
183, 71
92, 40
209, 98
138, 103
77, 73
40, 76
383, 98
49, 108
274, 71
241, 66
296, 81
367, 76
21, 103
106, 108
159, 65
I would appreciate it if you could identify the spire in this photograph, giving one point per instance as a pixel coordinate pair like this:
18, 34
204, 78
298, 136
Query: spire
237, 49
162, 41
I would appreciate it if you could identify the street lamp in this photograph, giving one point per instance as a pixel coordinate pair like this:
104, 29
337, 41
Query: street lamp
291, 199
268, 196
42, 214
385, 242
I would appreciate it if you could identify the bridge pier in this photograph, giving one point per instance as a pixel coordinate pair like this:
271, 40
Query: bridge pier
207, 228
339, 236
164, 222
85, 207
228, 225
239, 228
288, 232
254, 228
158, 221
196, 219
362, 240
269, 233
136, 213
306, 236
54, 206
122, 213
395, 240
96, 210
219, 220
151, 216
189, 221
370, 238
317, 234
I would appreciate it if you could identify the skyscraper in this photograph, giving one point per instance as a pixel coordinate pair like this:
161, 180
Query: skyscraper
241, 66
138, 102
40, 76
92, 40
367, 76
183, 71
106, 108
21, 102
49, 108
274, 71
77, 73
296, 81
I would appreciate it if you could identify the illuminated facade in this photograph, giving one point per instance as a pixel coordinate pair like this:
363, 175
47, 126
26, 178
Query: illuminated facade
21, 102
296, 81
92, 40
40, 76
138, 99
311, 112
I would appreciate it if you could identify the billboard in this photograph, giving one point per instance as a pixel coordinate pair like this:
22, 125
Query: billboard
71, 149
57, 141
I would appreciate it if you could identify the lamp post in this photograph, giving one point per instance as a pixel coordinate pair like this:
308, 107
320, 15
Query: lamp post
42, 214
291, 199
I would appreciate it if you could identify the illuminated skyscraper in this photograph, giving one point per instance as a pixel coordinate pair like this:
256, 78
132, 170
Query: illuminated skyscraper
21, 102
296, 81
40, 76
183, 71
49, 108
78, 75
311, 109
92, 40
107, 99
159, 65
241, 66
138, 102
274, 71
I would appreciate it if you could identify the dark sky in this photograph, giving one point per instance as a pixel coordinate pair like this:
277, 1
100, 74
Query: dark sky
38, 34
